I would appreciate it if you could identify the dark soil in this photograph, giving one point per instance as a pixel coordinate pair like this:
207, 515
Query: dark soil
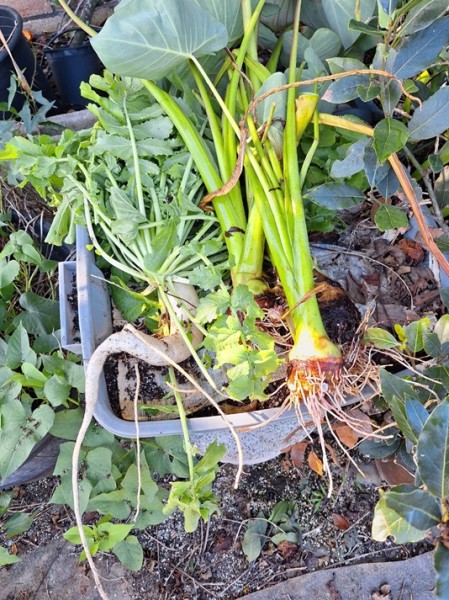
210, 563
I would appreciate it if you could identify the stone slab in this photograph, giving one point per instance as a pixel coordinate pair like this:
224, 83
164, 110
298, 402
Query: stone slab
411, 579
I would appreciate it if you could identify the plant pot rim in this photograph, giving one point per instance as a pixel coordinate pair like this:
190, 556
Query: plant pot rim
16, 34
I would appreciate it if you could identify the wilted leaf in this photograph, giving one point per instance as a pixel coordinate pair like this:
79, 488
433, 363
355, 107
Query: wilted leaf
340, 522
315, 463
346, 435
287, 549
297, 454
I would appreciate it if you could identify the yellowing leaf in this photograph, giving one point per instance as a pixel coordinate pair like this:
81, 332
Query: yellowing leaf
315, 463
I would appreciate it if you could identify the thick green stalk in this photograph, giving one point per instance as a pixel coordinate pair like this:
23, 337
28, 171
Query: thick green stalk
228, 218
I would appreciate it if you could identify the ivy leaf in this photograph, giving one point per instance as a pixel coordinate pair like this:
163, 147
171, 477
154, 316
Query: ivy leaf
406, 513
130, 553
390, 217
40, 315
433, 451
390, 136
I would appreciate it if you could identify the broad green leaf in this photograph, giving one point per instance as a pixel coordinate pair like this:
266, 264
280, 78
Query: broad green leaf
228, 13
113, 503
8, 272
72, 535
442, 329
57, 390
380, 338
416, 415
390, 217
285, 536
432, 344
151, 38
99, 470
40, 315
20, 432
351, 164
64, 495
345, 89
130, 553
6, 558
336, 196
389, 6
110, 534
423, 14
338, 64
415, 332
254, 538
19, 349
432, 118
166, 455
433, 451
441, 566
392, 385
340, 12
67, 423
406, 513
390, 136
18, 523
420, 49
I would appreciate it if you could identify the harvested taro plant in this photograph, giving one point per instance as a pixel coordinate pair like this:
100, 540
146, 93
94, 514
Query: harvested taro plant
208, 166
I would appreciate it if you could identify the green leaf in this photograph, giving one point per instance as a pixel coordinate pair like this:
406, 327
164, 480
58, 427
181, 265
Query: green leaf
19, 349
57, 390
416, 415
340, 12
422, 15
415, 332
406, 513
345, 89
441, 566
254, 538
110, 534
113, 503
211, 458
351, 164
6, 558
380, 338
40, 316
99, 470
8, 272
389, 6
72, 535
130, 553
151, 38
390, 217
432, 118
18, 523
442, 329
390, 136
67, 423
335, 196
64, 495
20, 432
433, 451
419, 50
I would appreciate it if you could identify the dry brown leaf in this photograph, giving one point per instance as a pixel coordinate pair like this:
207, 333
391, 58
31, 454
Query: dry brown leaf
346, 435
315, 463
287, 549
340, 522
413, 251
333, 455
297, 454
364, 423
392, 472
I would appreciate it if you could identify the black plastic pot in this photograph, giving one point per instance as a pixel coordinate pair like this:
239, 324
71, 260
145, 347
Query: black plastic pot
70, 66
11, 27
